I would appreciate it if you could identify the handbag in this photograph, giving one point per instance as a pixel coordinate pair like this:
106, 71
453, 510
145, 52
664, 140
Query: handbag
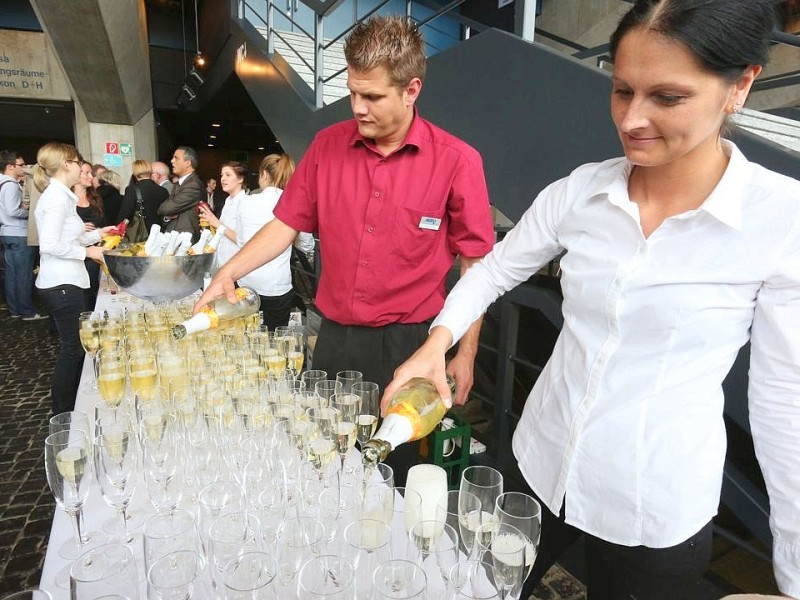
137, 228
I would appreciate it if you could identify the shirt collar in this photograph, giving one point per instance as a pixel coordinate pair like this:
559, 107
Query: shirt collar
414, 136
184, 178
58, 184
724, 203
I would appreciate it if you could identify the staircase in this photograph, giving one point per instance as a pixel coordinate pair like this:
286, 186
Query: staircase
293, 45
781, 131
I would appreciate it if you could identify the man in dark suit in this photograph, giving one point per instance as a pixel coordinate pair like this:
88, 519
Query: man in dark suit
179, 210
215, 197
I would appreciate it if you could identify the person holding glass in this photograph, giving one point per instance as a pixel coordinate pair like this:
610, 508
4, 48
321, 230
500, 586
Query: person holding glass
63, 245
90, 210
394, 200
242, 217
675, 255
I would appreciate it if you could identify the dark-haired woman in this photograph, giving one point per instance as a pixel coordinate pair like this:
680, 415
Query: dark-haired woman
90, 210
247, 215
675, 256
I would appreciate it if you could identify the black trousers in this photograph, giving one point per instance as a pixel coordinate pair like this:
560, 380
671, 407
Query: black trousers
275, 309
618, 572
65, 304
376, 352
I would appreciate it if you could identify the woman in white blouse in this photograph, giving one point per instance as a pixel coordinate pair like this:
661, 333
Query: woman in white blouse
63, 245
675, 256
242, 218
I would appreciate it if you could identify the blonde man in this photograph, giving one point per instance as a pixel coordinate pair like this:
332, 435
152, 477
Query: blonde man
394, 199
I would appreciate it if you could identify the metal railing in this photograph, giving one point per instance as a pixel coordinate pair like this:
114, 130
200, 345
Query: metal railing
321, 13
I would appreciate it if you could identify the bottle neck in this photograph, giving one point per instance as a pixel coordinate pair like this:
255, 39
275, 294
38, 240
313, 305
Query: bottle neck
199, 322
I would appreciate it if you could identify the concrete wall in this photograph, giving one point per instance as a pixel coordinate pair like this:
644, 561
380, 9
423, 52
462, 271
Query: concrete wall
29, 67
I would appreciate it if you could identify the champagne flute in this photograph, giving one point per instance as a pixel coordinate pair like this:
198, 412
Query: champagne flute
115, 460
506, 548
29, 595
89, 333
300, 541
112, 373
249, 576
399, 580
461, 510
486, 484
168, 532
104, 570
176, 576
326, 576
326, 388
68, 465
369, 541
473, 580
311, 377
367, 419
434, 545
348, 379
349, 407
525, 513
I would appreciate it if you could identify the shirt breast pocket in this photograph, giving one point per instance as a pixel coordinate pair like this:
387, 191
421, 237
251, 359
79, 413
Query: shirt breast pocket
411, 243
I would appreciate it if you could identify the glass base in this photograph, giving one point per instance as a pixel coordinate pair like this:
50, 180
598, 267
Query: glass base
136, 519
70, 550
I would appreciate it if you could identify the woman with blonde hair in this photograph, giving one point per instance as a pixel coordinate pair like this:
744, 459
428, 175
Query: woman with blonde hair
63, 244
110, 188
152, 194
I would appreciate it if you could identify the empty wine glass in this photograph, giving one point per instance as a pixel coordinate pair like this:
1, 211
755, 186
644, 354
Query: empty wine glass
115, 462
326, 576
229, 536
472, 580
104, 570
369, 542
29, 595
311, 377
348, 379
168, 532
434, 545
68, 465
399, 580
249, 576
300, 541
326, 388
176, 576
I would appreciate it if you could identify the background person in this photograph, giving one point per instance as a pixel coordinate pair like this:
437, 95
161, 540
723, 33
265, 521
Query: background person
394, 200
160, 175
179, 210
63, 247
19, 258
110, 190
90, 209
152, 194
676, 255
215, 197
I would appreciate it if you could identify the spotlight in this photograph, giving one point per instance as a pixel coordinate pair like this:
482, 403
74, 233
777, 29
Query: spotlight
189, 92
200, 60
195, 77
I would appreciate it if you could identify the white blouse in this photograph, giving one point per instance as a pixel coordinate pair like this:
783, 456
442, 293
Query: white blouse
227, 217
626, 417
62, 239
252, 213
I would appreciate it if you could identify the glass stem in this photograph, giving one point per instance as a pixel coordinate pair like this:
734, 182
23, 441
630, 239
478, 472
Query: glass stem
76, 526
123, 512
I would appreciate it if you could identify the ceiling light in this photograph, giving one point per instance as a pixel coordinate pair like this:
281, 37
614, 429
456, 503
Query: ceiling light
213, 137
216, 125
261, 147
211, 145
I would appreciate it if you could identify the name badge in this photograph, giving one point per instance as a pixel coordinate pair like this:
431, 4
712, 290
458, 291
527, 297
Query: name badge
430, 223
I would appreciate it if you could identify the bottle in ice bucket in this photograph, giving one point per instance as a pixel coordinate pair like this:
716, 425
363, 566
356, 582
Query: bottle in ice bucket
219, 310
413, 412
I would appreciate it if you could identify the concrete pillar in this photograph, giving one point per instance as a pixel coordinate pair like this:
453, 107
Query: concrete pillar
103, 49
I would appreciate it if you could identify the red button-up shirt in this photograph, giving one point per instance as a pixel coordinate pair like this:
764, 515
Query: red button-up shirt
389, 226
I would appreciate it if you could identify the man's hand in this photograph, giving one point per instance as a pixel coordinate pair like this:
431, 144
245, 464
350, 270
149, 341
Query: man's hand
428, 362
461, 368
220, 285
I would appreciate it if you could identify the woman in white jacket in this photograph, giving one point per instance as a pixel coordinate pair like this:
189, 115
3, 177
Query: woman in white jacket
63, 246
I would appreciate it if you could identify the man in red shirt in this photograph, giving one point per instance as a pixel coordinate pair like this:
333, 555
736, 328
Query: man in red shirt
394, 200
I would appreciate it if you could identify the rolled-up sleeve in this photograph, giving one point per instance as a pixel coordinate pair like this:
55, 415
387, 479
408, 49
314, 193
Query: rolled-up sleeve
774, 401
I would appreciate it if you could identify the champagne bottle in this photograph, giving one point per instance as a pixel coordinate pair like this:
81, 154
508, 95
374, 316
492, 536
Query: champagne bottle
210, 316
413, 412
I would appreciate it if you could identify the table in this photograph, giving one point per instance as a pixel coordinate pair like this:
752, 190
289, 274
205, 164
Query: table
96, 511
